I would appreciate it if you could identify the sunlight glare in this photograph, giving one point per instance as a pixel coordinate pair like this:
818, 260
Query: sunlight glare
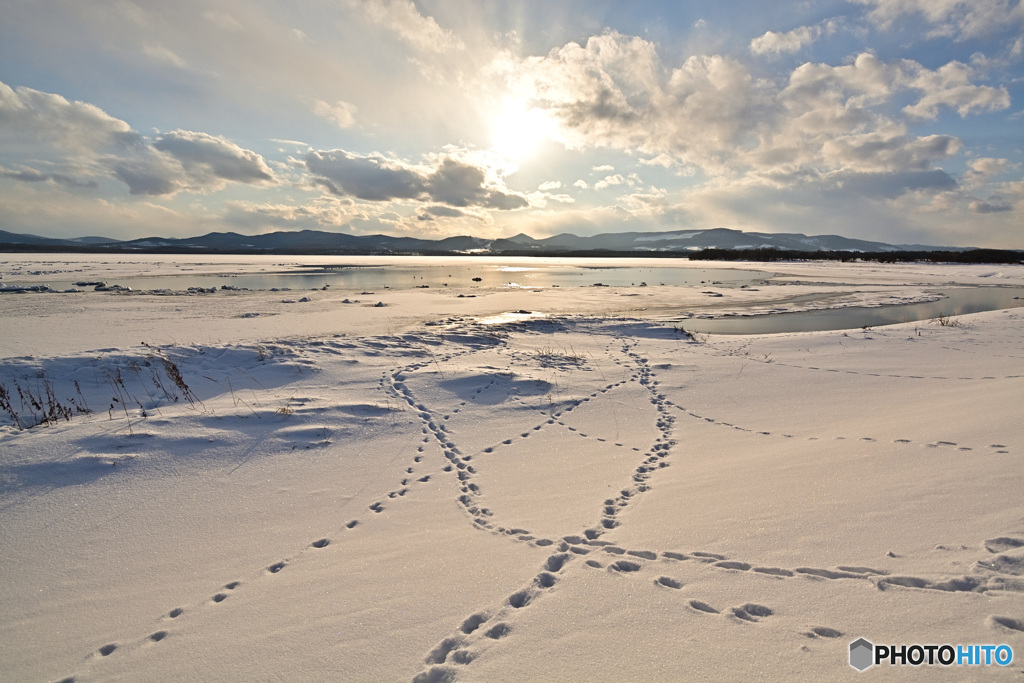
517, 131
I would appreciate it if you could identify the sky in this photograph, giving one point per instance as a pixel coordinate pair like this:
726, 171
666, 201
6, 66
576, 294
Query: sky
900, 121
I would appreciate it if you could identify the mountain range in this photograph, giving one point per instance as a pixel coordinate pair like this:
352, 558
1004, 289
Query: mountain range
313, 241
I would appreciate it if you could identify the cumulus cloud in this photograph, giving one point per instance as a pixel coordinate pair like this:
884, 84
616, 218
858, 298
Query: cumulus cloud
950, 86
209, 159
377, 178
549, 185
608, 181
374, 177
711, 113
615, 92
960, 19
981, 170
73, 127
84, 143
772, 43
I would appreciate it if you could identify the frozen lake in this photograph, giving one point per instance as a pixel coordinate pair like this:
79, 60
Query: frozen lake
954, 302
369, 272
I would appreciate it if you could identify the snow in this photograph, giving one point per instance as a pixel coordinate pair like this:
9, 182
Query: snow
571, 492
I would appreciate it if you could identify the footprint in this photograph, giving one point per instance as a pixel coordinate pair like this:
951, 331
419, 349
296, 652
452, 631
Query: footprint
594, 563
520, 599
827, 573
751, 612
624, 566
824, 632
322, 543
499, 630
703, 607
107, 650
742, 566
436, 674
377, 507
158, 636
352, 524
556, 562
1003, 564
175, 613
863, 570
645, 554
1007, 623
472, 622
707, 557
275, 568
668, 582
773, 571
545, 580
220, 597
1002, 544
904, 581
233, 585
440, 653
674, 556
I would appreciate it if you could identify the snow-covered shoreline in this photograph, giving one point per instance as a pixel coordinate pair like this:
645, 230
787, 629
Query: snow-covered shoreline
333, 491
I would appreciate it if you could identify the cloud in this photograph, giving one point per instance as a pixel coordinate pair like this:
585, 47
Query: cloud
950, 86
982, 169
161, 54
994, 204
404, 20
373, 178
891, 185
888, 153
711, 113
30, 175
549, 185
84, 143
444, 211
341, 112
615, 92
772, 43
70, 127
377, 178
960, 19
151, 174
209, 159
608, 181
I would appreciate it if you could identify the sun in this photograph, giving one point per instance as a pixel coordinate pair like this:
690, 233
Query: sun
518, 130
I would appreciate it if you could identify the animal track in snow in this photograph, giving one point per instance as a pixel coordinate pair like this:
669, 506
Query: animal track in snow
751, 612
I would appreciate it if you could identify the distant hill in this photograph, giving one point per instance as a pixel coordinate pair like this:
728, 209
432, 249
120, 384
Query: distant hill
682, 242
